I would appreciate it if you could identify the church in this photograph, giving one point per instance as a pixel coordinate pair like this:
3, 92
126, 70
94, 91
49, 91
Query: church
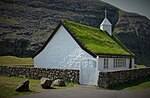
87, 49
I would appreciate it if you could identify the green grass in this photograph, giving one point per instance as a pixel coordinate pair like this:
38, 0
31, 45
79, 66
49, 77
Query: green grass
12, 60
71, 84
96, 40
67, 85
134, 85
9, 84
139, 66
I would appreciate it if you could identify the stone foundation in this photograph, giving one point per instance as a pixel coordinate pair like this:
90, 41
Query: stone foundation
36, 73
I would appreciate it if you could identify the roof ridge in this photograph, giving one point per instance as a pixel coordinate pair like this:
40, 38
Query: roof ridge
82, 25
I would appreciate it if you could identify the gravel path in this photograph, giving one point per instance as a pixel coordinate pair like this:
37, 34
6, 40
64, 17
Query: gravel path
90, 92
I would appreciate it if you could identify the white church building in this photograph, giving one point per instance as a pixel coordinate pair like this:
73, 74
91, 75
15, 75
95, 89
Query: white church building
90, 50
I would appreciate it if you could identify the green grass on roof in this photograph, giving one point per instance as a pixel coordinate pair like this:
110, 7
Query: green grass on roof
96, 40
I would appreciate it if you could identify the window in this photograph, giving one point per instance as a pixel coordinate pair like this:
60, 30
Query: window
105, 63
119, 62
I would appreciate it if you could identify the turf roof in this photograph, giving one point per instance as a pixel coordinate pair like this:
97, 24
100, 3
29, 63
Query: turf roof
96, 40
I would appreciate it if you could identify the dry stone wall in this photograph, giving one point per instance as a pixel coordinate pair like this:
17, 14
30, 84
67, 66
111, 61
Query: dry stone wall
109, 79
36, 73
105, 79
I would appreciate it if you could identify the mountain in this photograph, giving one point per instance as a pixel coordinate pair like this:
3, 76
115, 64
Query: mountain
26, 24
133, 31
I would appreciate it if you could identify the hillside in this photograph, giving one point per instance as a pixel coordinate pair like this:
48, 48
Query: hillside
26, 24
133, 31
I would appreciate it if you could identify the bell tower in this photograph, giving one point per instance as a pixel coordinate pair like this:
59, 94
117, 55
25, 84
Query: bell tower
106, 25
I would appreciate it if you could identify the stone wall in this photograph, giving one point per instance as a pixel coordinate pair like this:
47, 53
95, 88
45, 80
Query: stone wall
105, 80
109, 79
36, 73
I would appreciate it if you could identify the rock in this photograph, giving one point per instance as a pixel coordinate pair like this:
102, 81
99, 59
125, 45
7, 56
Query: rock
24, 87
58, 82
46, 83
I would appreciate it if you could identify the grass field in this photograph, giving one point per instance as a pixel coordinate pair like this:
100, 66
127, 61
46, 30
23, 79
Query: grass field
9, 84
12, 60
134, 85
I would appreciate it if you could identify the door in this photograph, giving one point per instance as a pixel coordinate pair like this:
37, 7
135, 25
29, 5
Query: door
88, 72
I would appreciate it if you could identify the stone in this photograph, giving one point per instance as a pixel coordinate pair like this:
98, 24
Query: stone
38, 73
24, 87
46, 83
58, 82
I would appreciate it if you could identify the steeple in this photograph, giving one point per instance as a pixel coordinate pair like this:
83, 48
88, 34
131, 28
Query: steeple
105, 13
106, 25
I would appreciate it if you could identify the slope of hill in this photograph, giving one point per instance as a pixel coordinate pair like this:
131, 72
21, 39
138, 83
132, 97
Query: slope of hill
133, 31
26, 24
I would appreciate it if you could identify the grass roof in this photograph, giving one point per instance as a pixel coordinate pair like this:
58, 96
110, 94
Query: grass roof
96, 40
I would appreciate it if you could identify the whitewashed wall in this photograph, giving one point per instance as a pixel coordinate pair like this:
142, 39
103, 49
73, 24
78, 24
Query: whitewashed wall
107, 28
61, 52
110, 66
132, 62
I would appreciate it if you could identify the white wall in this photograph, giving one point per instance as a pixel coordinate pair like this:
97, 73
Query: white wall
132, 62
61, 52
107, 28
110, 66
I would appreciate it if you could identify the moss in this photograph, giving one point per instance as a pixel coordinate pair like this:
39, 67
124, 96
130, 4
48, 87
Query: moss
96, 40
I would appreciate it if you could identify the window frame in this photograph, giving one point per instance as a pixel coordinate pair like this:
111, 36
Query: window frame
106, 63
119, 62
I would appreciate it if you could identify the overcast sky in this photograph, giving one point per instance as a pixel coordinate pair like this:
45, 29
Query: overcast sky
136, 6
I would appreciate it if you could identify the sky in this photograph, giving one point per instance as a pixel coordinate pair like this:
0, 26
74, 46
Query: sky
141, 7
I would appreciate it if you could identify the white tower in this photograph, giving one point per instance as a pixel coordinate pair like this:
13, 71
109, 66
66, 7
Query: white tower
106, 25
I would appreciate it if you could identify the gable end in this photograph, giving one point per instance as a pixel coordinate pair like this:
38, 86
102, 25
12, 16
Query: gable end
54, 32
51, 36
